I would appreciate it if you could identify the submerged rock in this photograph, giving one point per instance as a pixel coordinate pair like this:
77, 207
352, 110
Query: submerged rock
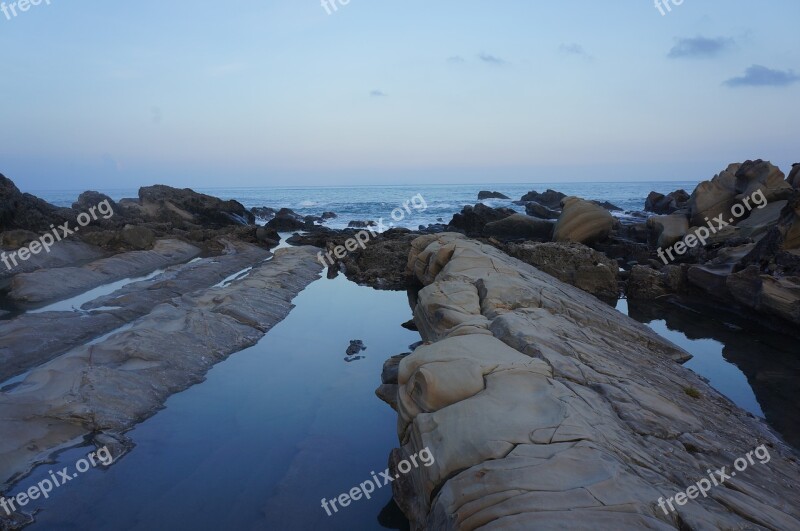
484, 194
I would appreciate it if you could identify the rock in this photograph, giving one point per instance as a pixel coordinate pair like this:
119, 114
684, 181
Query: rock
286, 220
756, 175
532, 208
611, 207
519, 227
544, 408
90, 199
268, 236
311, 220
582, 222
164, 203
646, 283
472, 220
66, 253
358, 224
714, 197
381, 264
263, 212
761, 220
329, 215
356, 346
114, 384
572, 263
483, 194
550, 198
794, 176
666, 204
667, 230
49, 285
14, 239
138, 237
27, 212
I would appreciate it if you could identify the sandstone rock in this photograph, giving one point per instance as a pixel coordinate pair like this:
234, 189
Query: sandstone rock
756, 175
646, 283
49, 285
546, 409
550, 198
138, 237
114, 384
582, 222
532, 208
714, 197
794, 175
572, 263
760, 220
519, 227
484, 194
472, 220
667, 230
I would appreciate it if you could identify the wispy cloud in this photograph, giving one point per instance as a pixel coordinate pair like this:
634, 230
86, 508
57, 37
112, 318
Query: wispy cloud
700, 47
455, 59
378, 94
761, 76
491, 59
574, 49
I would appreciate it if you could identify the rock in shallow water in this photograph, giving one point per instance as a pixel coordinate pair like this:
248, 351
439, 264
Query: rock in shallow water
546, 409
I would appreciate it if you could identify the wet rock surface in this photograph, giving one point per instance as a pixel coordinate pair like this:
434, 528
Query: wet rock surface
545, 408
109, 386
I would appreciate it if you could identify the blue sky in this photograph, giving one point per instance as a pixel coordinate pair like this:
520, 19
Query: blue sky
248, 93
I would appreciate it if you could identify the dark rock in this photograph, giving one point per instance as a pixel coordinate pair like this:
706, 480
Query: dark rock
91, 199
263, 212
519, 227
549, 198
25, 211
410, 325
794, 175
138, 237
356, 346
358, 224
666, 204
286, 220
608, 206
182, 206
532, 208
484, 194
329, 215
472, 220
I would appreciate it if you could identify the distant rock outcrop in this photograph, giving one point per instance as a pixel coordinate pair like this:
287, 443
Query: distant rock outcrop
484, 194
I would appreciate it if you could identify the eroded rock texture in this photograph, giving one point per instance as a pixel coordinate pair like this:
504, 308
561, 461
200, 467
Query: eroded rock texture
546, 409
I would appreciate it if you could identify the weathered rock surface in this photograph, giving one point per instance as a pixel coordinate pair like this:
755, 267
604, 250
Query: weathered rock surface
24, 211
573, 263
24, 346
794, 175
532, 208
583, 222
546, 409
472, 219
112, 385
519, 227
67, 253
286, 220
666, 204
646, 283
187, 207
45, 285
667, 230
550, 198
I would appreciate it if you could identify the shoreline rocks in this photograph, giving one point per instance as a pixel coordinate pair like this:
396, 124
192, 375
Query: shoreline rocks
545, 408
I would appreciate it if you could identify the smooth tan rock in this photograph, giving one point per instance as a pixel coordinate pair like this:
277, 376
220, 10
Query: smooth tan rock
714, 197
667, 230
582, 222
546, 409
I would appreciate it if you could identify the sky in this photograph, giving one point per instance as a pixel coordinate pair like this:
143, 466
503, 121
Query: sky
281, 93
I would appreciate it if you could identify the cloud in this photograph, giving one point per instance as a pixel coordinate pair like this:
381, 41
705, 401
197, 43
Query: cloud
699, 47
491, 59
455, 59
761, 76
574, 49
378, 94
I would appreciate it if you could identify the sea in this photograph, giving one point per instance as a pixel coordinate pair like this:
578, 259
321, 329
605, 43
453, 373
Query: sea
440, 202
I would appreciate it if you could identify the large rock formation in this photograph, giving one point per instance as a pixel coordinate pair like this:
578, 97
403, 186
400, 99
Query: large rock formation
550, 198
572, 263
666, 204
582, 222
25, 211
519, 227
472, 219
546, 409
109, 386
187, 207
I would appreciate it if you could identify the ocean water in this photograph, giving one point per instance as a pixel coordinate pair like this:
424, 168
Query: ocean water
375, 202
